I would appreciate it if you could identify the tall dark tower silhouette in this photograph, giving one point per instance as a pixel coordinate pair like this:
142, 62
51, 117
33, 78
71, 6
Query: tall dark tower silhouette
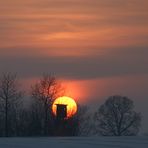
61, 112
61, 115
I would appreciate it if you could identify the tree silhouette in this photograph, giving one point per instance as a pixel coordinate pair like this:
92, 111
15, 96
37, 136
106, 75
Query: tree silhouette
85, 127
9, 96
44, 92
117, 117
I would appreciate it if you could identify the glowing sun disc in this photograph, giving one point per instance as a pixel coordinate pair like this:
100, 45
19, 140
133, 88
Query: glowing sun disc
71, 105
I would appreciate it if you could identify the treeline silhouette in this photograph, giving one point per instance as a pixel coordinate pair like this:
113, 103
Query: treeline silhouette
115, 117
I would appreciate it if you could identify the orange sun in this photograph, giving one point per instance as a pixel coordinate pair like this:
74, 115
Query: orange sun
71, 105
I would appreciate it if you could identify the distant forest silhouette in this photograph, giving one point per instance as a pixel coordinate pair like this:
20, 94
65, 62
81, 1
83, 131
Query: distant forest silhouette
116, 117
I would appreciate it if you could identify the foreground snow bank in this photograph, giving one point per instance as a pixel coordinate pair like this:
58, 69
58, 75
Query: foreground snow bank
75, 142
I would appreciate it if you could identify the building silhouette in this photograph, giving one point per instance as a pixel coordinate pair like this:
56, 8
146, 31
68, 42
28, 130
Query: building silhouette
61, 120
61, 112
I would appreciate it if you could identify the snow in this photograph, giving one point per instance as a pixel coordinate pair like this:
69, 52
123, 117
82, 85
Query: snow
75, 142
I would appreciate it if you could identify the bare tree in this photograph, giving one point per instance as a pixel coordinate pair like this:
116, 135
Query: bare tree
117, 117
44, 92
9, 96
85, 127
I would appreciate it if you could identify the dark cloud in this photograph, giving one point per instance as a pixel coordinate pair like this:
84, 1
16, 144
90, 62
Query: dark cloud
119, 62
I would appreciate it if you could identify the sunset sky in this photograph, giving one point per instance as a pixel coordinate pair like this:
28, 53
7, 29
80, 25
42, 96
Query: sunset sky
96, 48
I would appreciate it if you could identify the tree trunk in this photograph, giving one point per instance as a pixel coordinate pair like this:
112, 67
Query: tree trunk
46, 120
6, 118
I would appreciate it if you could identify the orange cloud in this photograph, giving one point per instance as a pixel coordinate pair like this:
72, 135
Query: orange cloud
84, 91
74, 27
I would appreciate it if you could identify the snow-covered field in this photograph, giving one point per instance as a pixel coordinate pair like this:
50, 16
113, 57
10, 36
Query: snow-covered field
76, 142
